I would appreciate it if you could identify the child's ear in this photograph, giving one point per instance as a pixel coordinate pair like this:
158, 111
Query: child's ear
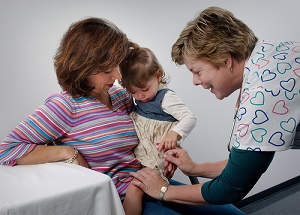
159, 75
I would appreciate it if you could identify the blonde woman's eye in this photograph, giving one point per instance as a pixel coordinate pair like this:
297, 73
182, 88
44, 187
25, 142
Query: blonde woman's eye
199, 72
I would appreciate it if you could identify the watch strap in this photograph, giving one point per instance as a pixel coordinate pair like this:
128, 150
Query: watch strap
162, 192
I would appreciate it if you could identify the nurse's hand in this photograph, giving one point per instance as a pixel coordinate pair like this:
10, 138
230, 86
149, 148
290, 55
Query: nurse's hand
149, 181
182, 160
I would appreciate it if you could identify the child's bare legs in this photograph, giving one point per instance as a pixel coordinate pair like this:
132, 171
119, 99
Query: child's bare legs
133, 203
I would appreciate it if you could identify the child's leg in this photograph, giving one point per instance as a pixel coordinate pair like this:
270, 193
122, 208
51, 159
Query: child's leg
133, 203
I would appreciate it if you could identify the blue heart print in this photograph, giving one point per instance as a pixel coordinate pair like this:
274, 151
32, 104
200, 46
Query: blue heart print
260, 117
271, 78
267, 75
288, 85
280, 56
266, 47
255, 149
276, 139
242, 111
272, 92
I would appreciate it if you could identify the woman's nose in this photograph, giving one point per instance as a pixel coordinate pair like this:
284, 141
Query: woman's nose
116, 74
196, 81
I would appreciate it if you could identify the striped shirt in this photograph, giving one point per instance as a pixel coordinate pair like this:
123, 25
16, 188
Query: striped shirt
105, 138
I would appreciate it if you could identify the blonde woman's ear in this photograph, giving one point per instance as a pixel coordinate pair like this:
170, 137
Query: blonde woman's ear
228, 62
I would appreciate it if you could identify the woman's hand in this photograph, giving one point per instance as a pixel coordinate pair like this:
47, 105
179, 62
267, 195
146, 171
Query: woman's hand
81, 161
149, 181
182, 160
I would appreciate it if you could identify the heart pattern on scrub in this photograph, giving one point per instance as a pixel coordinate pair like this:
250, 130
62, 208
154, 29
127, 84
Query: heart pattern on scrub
269, 107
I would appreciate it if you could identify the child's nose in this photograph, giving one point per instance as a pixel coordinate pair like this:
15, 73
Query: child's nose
141, 96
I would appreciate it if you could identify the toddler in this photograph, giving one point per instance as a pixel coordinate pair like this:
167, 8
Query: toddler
161, 119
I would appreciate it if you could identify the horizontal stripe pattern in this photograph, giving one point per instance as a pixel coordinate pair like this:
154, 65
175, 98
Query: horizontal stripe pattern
104, 138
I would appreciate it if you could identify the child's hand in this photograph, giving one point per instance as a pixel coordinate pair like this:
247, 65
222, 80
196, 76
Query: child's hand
169, 141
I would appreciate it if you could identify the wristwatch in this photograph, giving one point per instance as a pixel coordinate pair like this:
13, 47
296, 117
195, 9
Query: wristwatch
163, 190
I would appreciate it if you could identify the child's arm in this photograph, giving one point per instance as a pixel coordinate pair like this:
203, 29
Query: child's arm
173, 105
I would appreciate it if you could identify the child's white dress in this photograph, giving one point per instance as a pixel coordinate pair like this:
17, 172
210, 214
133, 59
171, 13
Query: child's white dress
154, 119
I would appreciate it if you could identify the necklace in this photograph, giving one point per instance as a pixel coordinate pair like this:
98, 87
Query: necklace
229, 145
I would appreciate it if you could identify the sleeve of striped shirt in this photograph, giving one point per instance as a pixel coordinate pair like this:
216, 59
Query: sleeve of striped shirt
50, 121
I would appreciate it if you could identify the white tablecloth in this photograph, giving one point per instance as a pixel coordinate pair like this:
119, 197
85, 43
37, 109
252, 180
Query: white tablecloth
56, 188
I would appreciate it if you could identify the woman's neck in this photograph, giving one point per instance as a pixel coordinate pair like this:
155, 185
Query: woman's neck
103, 97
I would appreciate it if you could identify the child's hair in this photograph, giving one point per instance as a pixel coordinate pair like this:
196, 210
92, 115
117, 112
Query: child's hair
139, 66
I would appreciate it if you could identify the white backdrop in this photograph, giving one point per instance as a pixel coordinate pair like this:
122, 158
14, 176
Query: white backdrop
31, 31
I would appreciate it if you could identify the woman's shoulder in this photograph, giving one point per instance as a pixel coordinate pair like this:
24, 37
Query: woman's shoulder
61, 99
61, 96
281, 48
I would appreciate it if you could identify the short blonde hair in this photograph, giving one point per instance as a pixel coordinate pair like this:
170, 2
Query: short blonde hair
213, 34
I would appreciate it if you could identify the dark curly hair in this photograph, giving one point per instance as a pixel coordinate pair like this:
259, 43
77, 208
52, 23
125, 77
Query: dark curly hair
89, 45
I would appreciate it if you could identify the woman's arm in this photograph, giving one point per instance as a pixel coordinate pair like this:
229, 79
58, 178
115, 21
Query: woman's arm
25, 143
151, 183
46, 154
230, 185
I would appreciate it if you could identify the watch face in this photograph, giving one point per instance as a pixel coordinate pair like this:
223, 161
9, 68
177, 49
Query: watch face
163, 189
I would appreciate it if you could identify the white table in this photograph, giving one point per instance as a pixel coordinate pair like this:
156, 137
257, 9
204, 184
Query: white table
56, 189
